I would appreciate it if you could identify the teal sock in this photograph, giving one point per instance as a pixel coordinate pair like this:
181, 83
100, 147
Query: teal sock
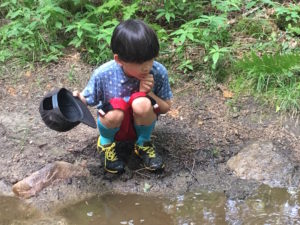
144, 132
107, 135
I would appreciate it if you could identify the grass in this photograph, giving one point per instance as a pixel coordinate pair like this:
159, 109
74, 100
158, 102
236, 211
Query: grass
272, 78
197, 42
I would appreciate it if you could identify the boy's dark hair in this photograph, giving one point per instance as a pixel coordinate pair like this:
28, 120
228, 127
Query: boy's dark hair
134, 41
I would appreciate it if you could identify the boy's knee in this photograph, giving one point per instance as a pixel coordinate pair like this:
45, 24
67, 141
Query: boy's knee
142, 107
113, 118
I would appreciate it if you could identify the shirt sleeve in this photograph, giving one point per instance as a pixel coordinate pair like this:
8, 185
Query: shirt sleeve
162, 85
93, 92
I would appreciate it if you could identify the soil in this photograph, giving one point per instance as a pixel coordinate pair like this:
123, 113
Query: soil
196, 138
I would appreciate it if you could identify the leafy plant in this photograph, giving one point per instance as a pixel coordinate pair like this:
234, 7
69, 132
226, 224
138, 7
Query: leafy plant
228, 5
215, 53
274, 76
186, 65
205, 31
32, 30
288, 18
167, 11
179, 10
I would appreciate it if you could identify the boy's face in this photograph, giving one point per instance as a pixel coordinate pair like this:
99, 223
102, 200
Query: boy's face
137, 70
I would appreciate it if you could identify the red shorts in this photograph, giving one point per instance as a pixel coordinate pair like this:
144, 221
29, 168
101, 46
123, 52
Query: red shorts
127, 131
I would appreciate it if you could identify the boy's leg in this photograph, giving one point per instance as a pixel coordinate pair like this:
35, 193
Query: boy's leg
144, 122
108, 126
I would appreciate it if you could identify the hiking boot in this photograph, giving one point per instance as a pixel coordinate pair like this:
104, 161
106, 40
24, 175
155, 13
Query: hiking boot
152, 161
109, 158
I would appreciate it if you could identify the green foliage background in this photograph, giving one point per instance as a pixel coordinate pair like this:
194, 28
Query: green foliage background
251, 44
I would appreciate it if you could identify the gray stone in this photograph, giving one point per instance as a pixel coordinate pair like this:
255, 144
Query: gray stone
5, 188
262, 162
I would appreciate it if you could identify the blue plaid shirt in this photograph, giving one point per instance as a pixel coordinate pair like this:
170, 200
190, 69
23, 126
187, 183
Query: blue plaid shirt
109, 81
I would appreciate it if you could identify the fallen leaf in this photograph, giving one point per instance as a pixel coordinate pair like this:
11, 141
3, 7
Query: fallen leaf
227, 94
200, 122
175, 112
28, 74
225, 91
12, 91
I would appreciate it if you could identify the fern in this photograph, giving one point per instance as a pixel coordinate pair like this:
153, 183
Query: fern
277, 77
269, 70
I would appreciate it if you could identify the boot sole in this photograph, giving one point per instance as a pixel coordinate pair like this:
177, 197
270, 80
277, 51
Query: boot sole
113, 171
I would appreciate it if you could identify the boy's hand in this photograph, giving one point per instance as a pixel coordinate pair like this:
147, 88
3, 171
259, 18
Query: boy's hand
77, 94
147, 83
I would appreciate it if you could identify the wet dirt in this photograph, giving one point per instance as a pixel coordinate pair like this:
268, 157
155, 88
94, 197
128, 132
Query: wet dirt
196, 139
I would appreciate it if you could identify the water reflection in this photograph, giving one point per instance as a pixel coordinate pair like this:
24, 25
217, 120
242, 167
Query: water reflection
198, 208
14, 211
117, 209
267, 206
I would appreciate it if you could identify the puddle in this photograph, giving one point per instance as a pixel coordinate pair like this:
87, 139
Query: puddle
118, 209
14, 211
267, 206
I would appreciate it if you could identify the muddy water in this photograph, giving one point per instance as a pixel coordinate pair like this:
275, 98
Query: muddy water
14, 211
267, 206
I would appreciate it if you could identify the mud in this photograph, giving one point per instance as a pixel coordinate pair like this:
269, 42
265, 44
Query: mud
196, 139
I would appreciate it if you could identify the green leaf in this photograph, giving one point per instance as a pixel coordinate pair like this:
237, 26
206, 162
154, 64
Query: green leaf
215, 58
58, 24
79, 33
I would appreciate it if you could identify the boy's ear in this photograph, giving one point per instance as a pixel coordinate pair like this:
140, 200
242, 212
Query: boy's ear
117, 59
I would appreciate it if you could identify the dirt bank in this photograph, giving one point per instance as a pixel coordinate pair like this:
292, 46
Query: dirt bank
196, 139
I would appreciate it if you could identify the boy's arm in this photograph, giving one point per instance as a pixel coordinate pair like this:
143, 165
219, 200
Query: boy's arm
164, 105
146, 84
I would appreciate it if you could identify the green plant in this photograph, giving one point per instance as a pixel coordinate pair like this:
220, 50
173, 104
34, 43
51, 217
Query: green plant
32, 31
288, 18
254, 27
71, 77
93, 29
227, 6
287, 98
274, 76
215, 53
205, 31
167, 11
290, 13
179, 10
185, 66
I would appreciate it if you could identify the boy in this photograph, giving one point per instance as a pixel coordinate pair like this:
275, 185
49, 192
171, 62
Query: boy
130, 92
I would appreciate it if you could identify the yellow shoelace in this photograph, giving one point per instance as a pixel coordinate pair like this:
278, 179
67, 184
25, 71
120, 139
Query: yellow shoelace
149, 150
110, 152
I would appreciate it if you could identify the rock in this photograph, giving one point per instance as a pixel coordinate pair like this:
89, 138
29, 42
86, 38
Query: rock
40, 179
261, 162
5, 188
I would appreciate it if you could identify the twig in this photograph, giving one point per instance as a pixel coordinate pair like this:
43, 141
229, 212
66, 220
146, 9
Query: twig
230, 22
142, 174
191, 171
